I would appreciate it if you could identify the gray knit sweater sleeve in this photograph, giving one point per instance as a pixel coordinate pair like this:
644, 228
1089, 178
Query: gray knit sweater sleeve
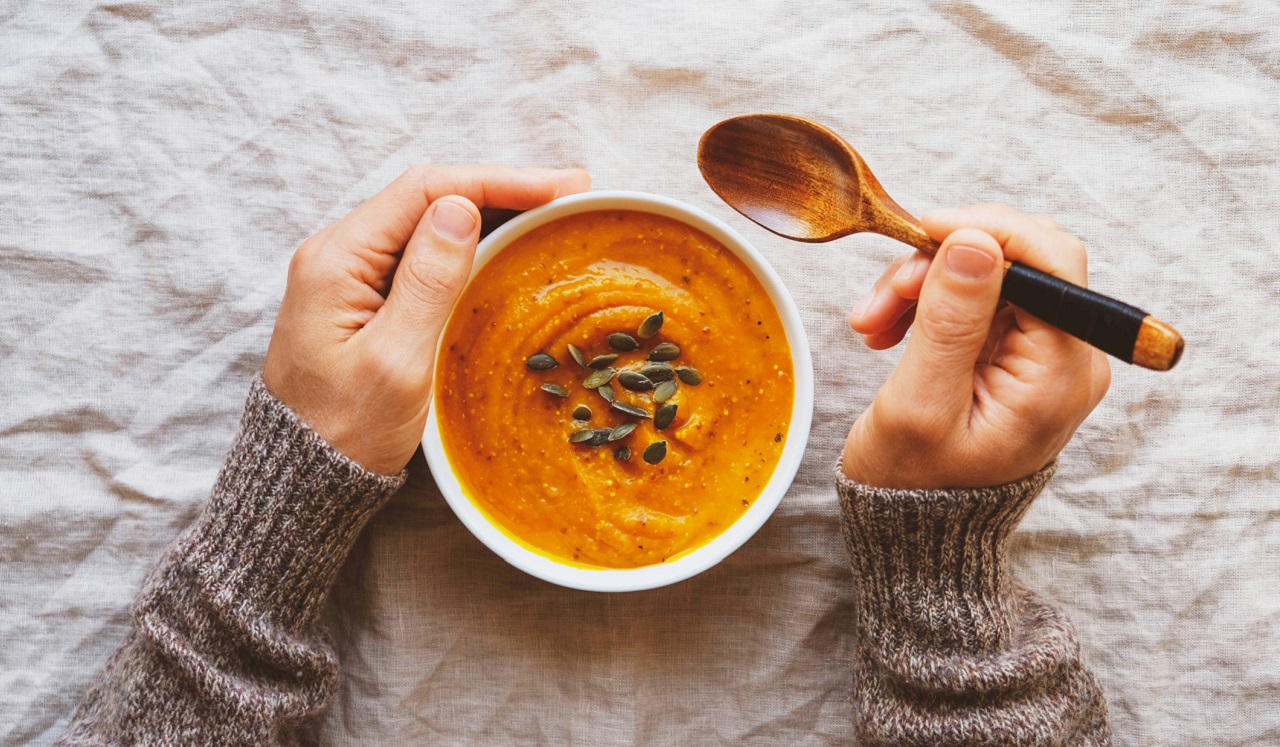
951, 651
225, 648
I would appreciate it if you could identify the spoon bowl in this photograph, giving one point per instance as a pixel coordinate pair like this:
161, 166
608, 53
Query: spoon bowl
802, 181
784, 173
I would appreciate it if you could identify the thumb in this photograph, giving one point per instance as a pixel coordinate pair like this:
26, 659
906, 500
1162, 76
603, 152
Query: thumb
431, 275
953, 317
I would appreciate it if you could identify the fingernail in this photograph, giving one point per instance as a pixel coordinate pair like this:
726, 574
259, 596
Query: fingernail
863, 305
968, 262
452, 221
907, 269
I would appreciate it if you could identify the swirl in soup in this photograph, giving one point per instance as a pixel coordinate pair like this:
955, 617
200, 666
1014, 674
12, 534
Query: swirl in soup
614, 389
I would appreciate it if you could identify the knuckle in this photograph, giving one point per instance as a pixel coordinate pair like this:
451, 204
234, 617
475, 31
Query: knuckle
431, 283
303, 261
1094, 381
1076, 251
951, 324
419, 174
1047, 222
1102, 377
298, 265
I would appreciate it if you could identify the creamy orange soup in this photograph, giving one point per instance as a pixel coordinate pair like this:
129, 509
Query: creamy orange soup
576, 280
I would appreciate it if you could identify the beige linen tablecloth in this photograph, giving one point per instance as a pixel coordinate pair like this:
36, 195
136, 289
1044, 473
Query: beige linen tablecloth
159, 162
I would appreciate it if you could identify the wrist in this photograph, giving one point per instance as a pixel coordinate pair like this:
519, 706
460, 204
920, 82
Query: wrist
380, 449
892, 459
922, 456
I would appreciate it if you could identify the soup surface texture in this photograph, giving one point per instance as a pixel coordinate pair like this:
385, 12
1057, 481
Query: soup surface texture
575, 281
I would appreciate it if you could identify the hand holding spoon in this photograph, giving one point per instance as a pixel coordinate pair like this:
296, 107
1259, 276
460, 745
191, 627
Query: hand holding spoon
802, 181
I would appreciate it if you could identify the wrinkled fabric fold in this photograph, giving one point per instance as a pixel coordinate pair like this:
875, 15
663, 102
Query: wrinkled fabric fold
159, 163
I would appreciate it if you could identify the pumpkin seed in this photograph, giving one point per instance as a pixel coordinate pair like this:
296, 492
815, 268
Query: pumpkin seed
649, 327
664, 391
634, 381
632, 410
605, 391
655, 452
590, 436
658, 372
622, 341
667, 351
598, 378
622, 430
555, 389
577, 355
541, 362
665, 415
581, 412
689, 376
602, 361
622, 453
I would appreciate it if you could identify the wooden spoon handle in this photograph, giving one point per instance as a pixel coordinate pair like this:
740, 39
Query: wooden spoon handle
1114, 327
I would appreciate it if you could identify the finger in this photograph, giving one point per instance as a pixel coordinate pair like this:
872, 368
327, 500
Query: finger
894, 310
435, 268
909, 279
882, 307
892, 336
953, 318
385, 222
1003, 325
1036, 353
568, 182
506, 187
1023, 238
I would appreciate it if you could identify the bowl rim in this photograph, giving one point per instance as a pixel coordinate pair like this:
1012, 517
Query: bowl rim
736, 534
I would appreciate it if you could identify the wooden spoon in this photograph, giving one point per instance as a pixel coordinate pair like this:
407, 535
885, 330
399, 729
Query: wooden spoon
802, 181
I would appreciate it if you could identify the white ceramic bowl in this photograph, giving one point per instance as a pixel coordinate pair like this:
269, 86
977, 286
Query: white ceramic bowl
697, 561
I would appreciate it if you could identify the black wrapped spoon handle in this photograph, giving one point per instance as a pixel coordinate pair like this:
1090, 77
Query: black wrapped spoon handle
1114, 327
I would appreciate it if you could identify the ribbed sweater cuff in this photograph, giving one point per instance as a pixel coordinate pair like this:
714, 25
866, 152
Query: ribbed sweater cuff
929, 565
283, 515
